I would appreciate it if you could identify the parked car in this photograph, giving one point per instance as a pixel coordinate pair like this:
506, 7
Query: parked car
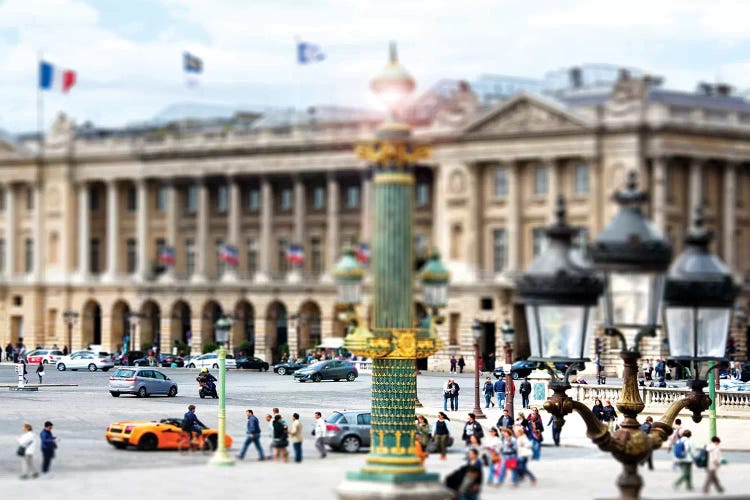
44, 356
252, 364
289, 368
129, 358
211, 360
348, 430
163, 360
142, 382
332, 369
85, 359
163, 435
519, 369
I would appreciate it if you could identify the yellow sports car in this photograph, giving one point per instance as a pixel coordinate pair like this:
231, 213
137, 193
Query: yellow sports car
165, 434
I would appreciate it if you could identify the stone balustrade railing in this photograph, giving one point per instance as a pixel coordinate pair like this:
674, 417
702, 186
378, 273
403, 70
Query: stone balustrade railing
659, 398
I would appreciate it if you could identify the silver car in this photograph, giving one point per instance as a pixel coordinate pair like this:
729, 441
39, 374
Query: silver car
141, 381
348, 430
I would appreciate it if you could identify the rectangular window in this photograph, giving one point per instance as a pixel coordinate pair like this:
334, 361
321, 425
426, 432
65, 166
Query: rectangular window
94, 256
348, 240
283, 244
131, 255
420, 245
352, 197
222, 199
93, 199
189, 256
51, 323
541, 180
499, 249
2, 199
28, 255
501, 183
454, 323
285, 200
316, 255
581, 181
191, 199
2, 254
252, 255
319, 197
423, 194
161, 199
132, 199
29, 199
253, 200
539, 241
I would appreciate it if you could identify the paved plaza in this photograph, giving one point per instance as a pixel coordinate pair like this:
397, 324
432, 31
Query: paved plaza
86, 465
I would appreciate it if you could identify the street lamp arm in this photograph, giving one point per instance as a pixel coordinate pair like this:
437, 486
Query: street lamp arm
560, 404
697, 402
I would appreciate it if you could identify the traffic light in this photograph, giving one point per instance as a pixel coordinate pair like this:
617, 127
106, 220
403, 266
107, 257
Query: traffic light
599, 345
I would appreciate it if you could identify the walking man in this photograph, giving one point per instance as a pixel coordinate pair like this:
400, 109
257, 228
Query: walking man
455, 388
683, 454
472, 428
252, 433
525, 391
489, 391
712, 467
297, 437
49, 443
499, 388
319, 432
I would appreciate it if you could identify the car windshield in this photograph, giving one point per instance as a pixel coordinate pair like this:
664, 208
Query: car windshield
336, 418
123, 373
230, 356
319, 364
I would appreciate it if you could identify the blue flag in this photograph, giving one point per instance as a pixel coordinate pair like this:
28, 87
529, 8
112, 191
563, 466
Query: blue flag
309, 53
191, 63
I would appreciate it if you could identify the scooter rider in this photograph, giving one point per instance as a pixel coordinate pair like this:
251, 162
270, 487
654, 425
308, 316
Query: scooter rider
209, 382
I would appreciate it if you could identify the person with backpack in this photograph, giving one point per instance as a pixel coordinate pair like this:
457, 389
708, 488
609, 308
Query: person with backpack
713, 463
525, 390
489, 391
675, 436
646, 427
684, 454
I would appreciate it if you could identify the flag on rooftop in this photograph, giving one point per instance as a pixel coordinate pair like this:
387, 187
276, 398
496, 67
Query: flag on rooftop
166, 255
228, 254
362, 251
192, 63
295, 254
308, 53
50, 76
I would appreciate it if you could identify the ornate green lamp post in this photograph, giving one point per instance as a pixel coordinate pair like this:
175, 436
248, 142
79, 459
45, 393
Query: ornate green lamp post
221, 457
392, 468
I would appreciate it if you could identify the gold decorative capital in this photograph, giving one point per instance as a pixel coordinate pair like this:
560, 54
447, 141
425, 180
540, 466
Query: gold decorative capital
388, 153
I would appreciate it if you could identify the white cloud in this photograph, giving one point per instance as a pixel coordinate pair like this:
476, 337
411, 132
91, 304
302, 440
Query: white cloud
248, 48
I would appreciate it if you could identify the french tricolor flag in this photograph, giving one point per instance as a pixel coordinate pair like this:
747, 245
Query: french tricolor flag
50, 76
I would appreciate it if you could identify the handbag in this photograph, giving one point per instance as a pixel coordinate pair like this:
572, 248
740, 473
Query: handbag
41, 374
511, 463
21, 451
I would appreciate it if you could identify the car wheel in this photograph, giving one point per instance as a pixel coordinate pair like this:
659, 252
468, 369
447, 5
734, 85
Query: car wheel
105, 369
142, 392
351, 377
44, 362
265, 368
350, 444
215, 366
191, 365
61, 367
148, 442
281, 371
515, 375
172, 391
92, 367
120, 446
317, 377
115, 394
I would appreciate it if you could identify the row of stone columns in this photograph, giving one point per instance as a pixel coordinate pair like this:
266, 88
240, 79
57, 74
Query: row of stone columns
234, 236
11, 231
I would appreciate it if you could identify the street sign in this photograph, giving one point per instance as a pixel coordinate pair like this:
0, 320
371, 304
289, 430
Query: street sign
507, 368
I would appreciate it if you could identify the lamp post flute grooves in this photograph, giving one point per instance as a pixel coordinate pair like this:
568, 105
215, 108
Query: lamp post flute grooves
560, 290
392, 468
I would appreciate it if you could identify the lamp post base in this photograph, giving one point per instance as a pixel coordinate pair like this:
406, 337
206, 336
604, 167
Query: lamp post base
427, 487
221, 458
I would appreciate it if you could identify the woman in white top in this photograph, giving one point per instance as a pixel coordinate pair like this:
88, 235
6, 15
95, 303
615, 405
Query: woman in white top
27, 441
524, 453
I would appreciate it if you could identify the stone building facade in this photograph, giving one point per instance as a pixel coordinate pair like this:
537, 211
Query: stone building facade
86, 214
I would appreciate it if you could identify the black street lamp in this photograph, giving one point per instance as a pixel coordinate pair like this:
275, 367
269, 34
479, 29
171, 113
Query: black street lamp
70, 316
633, 258
509, 334
476, 331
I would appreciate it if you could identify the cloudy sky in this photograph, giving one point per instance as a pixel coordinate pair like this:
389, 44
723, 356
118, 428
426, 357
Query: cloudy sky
128, 53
